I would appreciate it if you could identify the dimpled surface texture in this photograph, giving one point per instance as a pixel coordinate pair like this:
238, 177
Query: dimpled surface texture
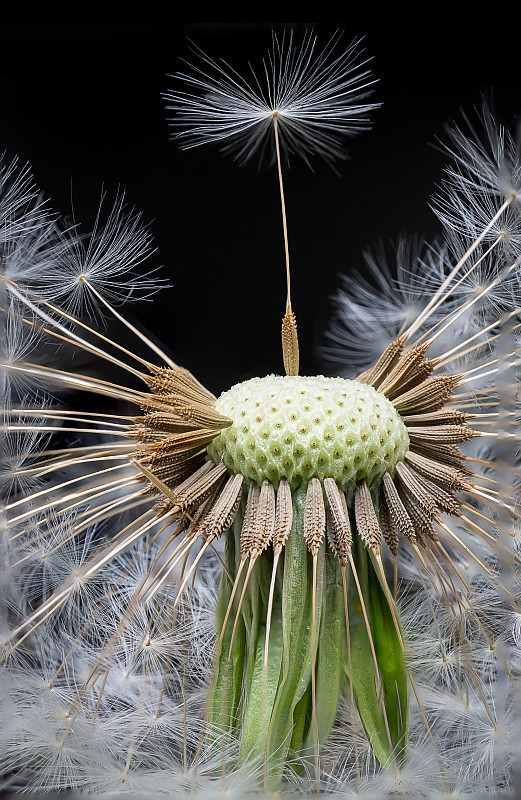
297, 428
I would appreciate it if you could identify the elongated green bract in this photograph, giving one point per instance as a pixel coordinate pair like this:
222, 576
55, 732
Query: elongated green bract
267, 711
382, 700
227, 686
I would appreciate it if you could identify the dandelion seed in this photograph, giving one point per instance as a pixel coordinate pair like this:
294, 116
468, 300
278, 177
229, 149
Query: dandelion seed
315, 96
320, 487
115, 248
22, 210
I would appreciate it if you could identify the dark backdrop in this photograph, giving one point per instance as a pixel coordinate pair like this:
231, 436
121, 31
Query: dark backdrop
82, 103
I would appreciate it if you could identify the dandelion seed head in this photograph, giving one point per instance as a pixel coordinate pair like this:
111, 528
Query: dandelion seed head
317, 98
486, 156
386, 297
136, 523
516, 628
465, 216
108, 259
20, 336
16, 452
23, 212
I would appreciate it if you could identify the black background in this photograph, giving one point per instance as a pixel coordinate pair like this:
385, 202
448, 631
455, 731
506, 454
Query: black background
81, 103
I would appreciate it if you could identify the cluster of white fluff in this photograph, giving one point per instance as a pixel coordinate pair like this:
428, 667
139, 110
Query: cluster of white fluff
144, 733
482, 177
41, 747
42, 253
